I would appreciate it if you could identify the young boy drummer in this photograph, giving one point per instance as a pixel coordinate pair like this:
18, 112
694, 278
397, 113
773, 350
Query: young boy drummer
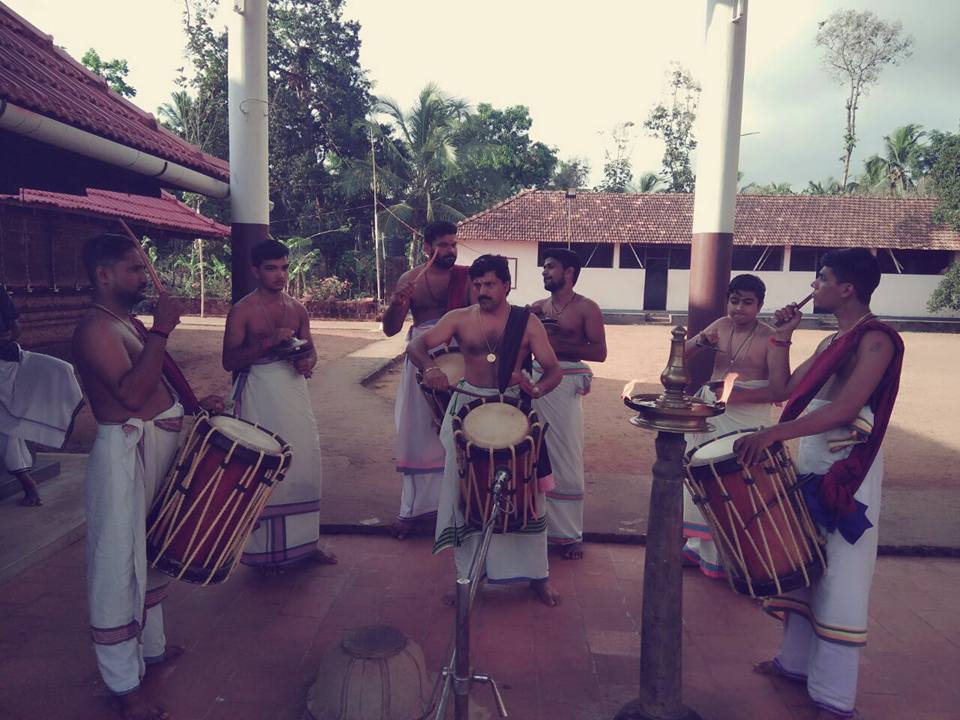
741, 344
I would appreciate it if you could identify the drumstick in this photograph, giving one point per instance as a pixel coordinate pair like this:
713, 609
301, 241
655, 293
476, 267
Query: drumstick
143, 256
798, 305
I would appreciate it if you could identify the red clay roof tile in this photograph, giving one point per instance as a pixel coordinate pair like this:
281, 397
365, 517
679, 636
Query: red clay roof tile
804, 220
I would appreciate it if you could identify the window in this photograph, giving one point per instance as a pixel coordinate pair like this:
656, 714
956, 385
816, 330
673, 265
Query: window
592, 255
636, 256
914, 262
753, 258
807, 258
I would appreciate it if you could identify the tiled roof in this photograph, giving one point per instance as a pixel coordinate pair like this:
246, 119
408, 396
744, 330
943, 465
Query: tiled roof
823, 221
38, 76
163, 213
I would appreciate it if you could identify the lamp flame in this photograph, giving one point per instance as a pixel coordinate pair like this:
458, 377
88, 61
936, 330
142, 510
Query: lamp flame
628, 389
728, 382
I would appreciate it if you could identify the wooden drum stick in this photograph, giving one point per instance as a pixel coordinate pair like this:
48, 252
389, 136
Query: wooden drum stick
798, 305
143, 256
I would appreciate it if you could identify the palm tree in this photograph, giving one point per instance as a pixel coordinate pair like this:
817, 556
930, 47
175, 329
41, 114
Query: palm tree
649, 182
901, 151
419, 158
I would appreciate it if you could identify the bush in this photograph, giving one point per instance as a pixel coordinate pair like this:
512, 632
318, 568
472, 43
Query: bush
330, 288
946, 296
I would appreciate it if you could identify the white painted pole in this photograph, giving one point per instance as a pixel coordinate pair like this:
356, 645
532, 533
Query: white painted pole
248, 112
718, 156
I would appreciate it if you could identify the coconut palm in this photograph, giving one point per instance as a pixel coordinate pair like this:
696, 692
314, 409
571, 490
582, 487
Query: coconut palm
901, 151
649, 182
418, 158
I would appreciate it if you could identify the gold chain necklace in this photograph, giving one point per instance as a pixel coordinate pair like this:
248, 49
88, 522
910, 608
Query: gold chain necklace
491, 355
558, 313
745, 344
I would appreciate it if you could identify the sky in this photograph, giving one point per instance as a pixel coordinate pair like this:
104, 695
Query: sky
582, 68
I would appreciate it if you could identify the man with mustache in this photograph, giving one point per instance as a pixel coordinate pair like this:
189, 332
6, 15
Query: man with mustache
138, 402
498, 342
574, 325
427, 291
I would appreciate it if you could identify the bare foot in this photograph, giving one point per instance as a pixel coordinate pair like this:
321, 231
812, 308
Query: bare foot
135, 706
171, 653
545, 591
322, 558
402, 528
770, 667
31, 498
573, 552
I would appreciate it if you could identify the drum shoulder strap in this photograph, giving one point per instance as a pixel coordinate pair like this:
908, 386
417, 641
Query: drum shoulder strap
510, 345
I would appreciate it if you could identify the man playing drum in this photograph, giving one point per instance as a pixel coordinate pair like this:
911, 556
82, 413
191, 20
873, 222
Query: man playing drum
497, 341
848, 388
574, 325
272, 392
427, 291
741, 344
139, 415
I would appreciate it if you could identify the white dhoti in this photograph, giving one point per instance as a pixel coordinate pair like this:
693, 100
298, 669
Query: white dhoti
15, 454
826, 624
126, 467
512, 557
562, 408
39, 398
276, 397
700, 547
419, 451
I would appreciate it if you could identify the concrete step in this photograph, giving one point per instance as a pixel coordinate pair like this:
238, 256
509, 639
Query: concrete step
41, 472
29, 535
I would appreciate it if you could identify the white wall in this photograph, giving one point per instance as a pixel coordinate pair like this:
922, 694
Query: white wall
622, 289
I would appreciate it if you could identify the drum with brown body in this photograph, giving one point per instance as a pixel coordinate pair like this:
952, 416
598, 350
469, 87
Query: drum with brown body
213, 496
767, 541
450, 360
492, 434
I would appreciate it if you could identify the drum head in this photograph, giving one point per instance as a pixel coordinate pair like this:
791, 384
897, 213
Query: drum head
452, 365
245, 434
496, 425
716, 450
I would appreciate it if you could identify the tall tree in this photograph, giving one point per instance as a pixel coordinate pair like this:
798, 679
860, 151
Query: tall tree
857, 46
496, 158
420, 159
319, 96
618, 170
113, 71
671, 120
946, 180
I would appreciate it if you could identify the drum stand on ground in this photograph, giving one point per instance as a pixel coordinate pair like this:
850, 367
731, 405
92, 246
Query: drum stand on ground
457, 672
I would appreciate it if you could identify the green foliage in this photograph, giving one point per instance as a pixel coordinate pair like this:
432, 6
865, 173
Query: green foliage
570, 174
330, 288
946, 296
945, 175
113, 71
767, 189
617, 170
671, 120
496, 158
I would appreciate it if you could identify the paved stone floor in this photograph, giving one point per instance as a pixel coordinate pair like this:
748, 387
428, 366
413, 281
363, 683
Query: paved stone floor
254, 643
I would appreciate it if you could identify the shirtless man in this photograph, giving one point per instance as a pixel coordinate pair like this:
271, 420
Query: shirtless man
272, 392
848, 388
574, 325
139, 419
742, 345
427, 291
482, 333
